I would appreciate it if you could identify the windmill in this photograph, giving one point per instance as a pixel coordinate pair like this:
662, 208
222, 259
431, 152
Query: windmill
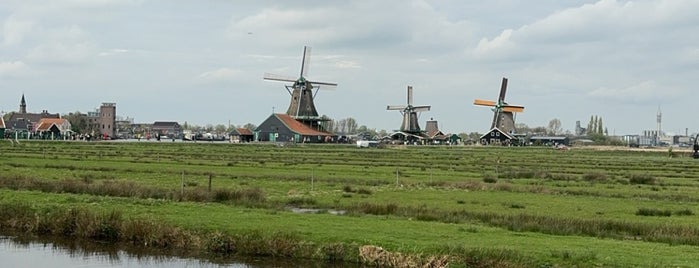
301, 106
410, 114
503, 113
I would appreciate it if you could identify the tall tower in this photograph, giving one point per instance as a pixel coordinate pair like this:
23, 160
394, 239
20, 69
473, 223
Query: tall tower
659, 120
22, 106
107, 120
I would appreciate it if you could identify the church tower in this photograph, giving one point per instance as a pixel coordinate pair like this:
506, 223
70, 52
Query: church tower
23, 106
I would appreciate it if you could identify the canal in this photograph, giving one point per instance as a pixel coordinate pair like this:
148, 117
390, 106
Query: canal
36, 252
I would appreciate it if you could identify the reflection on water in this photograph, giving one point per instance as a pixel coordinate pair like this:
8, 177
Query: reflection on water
23, 252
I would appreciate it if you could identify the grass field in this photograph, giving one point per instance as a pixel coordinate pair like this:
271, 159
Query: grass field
475, 206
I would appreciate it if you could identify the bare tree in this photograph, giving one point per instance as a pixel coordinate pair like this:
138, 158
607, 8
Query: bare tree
554, 127
351, 125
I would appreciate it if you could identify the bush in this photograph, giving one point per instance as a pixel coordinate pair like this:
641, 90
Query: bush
653, 212
595, 177
641, 179
684, 212
489, 178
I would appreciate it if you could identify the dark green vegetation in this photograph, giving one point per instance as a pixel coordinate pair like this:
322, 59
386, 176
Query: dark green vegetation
472, 206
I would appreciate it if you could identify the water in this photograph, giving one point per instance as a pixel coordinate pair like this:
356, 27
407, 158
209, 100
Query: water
21, 252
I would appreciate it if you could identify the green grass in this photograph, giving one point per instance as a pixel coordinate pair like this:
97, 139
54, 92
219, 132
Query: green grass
527, 206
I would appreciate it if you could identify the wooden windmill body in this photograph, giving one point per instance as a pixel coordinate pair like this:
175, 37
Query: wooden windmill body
301, 105
410, 114
503, 113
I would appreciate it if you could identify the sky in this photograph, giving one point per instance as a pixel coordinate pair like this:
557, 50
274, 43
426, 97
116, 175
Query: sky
202, 62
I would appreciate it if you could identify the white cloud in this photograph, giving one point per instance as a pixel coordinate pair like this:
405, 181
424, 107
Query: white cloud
617, 24
68, 45
113, 51
347, 64
221, 74
13, 68
14, 30
646, 92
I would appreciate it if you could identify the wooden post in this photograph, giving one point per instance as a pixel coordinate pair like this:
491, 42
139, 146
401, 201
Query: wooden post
182, 184
396, 177
210, 175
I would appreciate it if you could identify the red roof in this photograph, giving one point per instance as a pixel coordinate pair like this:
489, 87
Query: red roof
46, 123
244, 131
298, 127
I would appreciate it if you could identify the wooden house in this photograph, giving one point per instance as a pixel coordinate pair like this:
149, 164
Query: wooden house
497, 137
53, 128
284, 128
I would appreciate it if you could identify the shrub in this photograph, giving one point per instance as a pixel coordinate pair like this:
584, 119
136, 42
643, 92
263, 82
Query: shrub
641, 179
684, 212
653, 212
489, 178
595, 177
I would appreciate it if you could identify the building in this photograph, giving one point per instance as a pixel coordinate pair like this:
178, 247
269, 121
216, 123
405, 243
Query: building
102, 121
107, 120
497, 137
22, 123
284, 128
54, 128
165, 128
549, 140
241, 135
2, 127
434, 135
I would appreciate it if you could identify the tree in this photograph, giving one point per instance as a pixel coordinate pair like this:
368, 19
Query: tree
522, 128
351, 125
600, 129
554, 127
342, 126
78, 122
220, 129
327, 124
250, 126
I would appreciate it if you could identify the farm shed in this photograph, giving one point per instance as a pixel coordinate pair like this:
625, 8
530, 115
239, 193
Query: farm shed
549, 140
241, 135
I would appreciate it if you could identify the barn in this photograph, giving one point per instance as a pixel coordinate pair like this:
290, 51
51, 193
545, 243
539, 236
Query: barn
284, 128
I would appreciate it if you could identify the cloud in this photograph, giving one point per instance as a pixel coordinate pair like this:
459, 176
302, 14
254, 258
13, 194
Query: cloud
69, 45
13, 68
113, 51
14, 30
646, 92
615, 24
221, 74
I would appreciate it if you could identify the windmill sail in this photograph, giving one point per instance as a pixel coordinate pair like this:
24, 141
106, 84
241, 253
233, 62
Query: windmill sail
410, 113
301, 105
503, 113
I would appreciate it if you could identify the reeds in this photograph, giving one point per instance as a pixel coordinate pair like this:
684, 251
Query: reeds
249, 196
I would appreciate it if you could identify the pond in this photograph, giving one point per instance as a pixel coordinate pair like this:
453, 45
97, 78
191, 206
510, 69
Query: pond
35, 252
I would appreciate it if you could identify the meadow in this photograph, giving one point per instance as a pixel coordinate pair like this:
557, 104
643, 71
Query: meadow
466, 206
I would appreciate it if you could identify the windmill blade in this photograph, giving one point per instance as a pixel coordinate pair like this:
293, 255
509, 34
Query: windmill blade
396, 107
306, 62
513, 109
421, 108
323, 83
410, 95
503, 90
483, 102
276, 77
